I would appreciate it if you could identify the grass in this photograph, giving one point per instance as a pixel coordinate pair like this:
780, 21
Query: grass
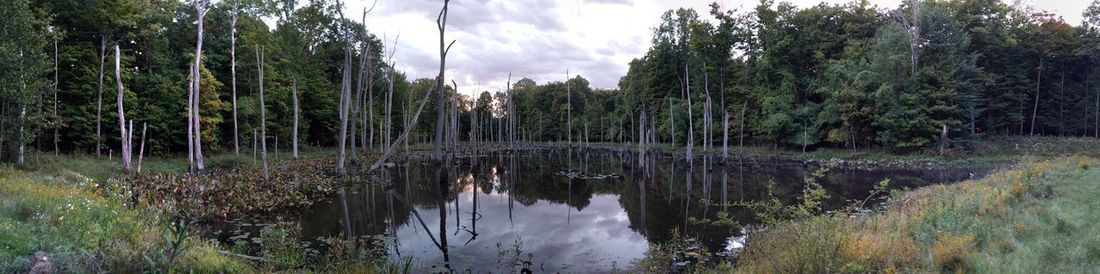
101, 168
996, 150
83, 230
1037, 218
71, 208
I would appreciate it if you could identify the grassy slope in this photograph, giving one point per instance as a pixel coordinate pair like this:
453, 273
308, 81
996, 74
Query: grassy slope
67, 216
1038, 218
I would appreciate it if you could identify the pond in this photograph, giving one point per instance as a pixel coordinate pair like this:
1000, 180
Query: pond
561, 211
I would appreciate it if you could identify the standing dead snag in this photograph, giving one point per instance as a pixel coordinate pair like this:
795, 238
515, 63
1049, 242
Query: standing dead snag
691, 128
389, 93
365, 71
294, 95
125, 137
568, 111
141, 151
99, 100
263, 112
200, 11
56, 135
345, 94
233, 72
441, 119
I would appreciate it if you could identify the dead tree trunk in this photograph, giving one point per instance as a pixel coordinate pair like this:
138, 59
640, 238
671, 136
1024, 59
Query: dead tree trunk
200, 11
233, 73
440, 127
568, 111
141, 151
263, 111
366, 70
56, 83
124, 137
389, 93
691, 128
345, 94
190, 122
1038, 84
294, 90
708, 136
99, 95
672, 120
725, 133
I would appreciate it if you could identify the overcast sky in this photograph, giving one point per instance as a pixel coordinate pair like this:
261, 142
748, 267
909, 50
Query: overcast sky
540, 39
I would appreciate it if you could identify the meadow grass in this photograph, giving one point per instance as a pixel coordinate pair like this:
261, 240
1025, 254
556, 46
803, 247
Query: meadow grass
1036, 218
82, 229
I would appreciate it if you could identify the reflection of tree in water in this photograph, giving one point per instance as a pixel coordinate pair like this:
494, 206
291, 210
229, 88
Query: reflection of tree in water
658, 194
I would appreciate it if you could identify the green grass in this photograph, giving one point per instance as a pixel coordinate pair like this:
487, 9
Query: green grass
102, 168
1037, 218
997, 150
82, 229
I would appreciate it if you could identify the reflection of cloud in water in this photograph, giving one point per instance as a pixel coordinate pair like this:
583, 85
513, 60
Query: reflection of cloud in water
558, 236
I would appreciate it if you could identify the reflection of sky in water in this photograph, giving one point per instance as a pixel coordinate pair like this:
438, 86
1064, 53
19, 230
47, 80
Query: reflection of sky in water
559, 237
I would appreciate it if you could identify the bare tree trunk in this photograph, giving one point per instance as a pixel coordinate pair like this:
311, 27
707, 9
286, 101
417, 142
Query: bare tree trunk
441, 23
122, 112
263, 111
708, 137
568, 110
345, 95
387, 151
22, 120
294, 90
741, 142
366, 70
190, 122
56, 83
691, 127
254, 144
200, 11
141, 151
725, 133
389, 103
1038, 84
671, 121
405, 123
233, 72
912, 26
99, 97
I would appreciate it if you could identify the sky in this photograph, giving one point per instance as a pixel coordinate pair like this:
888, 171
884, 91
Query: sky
542, 39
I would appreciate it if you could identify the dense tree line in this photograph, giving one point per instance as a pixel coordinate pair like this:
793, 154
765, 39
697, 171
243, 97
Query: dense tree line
847, 75
855, 75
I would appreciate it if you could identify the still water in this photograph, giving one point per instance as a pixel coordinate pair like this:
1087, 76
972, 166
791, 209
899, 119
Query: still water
560, 211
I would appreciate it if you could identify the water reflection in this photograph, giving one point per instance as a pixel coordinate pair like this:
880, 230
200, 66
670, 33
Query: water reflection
515, 211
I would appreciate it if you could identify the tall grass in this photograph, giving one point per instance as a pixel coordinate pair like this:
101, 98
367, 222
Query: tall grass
1038, 217
83, 230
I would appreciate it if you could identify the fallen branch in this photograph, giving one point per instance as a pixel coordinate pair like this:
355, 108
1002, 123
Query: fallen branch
242, 256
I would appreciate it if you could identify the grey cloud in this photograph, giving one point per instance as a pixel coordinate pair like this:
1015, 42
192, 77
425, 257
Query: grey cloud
470, 15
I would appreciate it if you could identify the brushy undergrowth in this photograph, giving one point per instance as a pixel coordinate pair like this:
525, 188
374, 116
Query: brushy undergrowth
227, 193
81, 229
1036, 218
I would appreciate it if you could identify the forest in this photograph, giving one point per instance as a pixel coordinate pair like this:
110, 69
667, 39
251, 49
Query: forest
843, 76
931, 136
